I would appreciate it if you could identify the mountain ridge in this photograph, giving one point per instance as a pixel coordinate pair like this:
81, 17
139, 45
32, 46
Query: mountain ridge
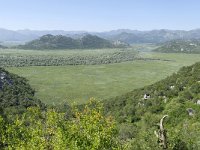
151, 36
63, 42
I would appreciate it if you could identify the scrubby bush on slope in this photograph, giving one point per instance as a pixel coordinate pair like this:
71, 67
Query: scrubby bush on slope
177, 96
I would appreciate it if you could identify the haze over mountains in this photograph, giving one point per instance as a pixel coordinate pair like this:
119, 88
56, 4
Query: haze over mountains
124, 35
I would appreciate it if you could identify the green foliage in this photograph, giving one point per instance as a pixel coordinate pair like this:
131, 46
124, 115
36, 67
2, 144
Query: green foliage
15, 94
86, 130
63, 58
180, 145
175, 96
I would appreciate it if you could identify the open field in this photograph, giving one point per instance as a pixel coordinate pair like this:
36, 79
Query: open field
56, 84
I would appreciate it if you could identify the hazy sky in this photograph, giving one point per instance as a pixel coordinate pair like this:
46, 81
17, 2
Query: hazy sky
99, 15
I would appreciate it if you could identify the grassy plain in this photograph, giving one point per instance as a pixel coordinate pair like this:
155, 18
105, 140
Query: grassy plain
57, 84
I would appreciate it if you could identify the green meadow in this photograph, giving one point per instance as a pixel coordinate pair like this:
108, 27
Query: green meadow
58, 84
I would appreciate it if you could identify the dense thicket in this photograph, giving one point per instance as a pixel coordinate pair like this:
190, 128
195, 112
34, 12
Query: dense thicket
180, 46
177, 96
50, 130
8, 60
63, 42
15, 94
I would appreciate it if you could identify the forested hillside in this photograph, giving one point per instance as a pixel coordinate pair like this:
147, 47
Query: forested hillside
180, 46
62, 42
2, 47
15, 94
177, 96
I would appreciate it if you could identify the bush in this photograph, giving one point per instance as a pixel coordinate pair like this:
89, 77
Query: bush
88, 129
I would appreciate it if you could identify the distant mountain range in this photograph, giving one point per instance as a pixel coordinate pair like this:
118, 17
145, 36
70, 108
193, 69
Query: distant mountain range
2, 47
180, 46
124, 35
63, 42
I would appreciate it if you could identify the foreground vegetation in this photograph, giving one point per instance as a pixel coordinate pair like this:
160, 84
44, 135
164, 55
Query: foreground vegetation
36, 129
177, 96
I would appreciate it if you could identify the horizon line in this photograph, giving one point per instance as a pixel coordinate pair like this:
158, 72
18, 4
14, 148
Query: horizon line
28, 29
